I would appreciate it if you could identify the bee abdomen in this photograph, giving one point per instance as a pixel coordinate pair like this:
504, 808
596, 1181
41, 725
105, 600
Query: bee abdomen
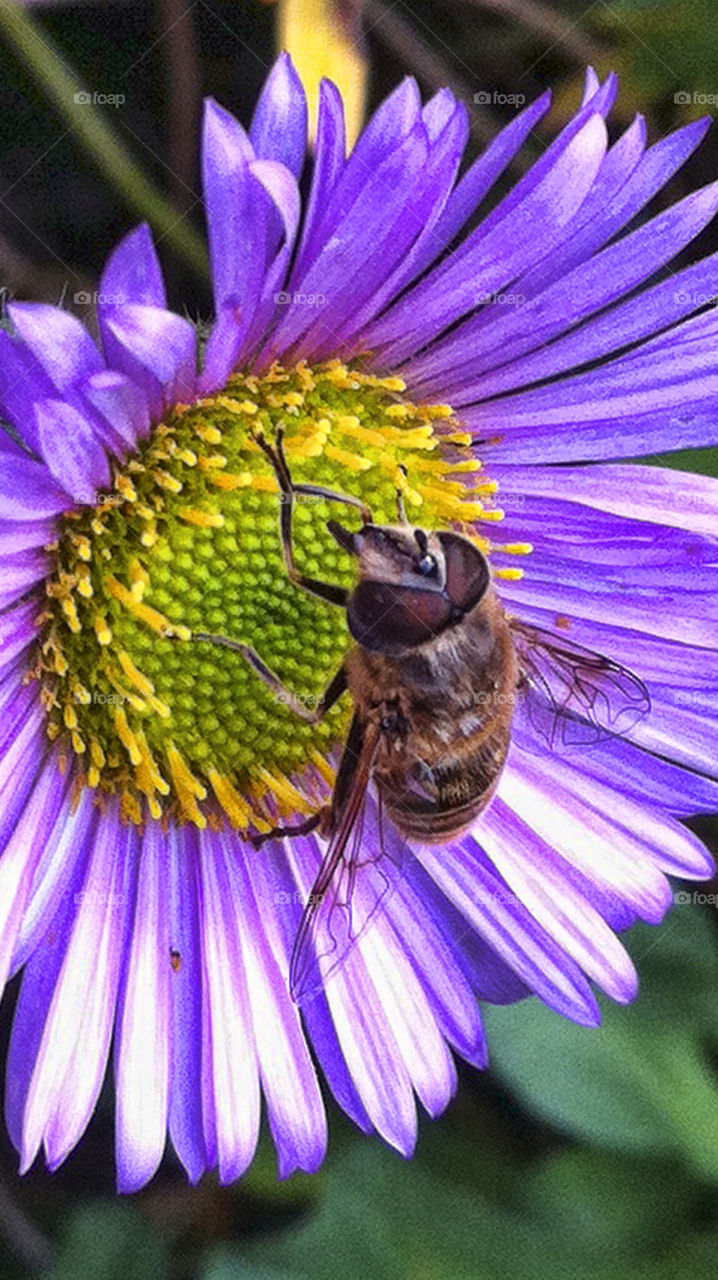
453, 794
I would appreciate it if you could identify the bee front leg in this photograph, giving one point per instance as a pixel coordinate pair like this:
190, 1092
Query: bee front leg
287, 490
319, 821
312, 715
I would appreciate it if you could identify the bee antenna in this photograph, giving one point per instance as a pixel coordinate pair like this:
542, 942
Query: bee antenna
421, 541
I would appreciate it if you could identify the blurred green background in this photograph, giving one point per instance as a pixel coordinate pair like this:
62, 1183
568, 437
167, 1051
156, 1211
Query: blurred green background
581, 1153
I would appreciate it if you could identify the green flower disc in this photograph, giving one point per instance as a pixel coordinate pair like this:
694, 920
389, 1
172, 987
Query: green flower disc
189, 541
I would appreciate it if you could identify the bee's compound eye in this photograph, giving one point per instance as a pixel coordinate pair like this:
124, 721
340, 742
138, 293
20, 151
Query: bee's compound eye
427, 565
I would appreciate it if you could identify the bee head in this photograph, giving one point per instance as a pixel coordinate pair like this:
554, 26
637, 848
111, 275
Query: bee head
413, 584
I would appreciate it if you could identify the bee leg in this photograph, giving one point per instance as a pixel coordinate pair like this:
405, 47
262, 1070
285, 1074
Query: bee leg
325, 590
312, 715
400, 508
319, 820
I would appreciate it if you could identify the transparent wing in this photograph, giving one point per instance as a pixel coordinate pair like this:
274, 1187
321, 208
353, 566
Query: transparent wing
570, 696
356, 876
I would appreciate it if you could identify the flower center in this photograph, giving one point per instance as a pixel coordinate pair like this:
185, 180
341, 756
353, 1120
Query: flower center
189, 542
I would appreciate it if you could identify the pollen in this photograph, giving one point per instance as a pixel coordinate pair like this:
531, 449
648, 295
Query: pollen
188, 544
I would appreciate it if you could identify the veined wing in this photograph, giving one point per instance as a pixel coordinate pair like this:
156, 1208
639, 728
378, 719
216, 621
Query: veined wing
571, 696
356, 876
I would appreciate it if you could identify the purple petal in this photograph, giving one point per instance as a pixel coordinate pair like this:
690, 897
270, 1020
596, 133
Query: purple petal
72, 1055
281, 186
620, 326
273, 882
122, 405
493, 912
132, 274
142, 1045
329, 153
372, 237
390, 125
38, 984
74, 456
59, 342
478, 180
28, 491
279, 124
438, 964
507, 332
185, 1105
294, 1105
494, 255
156, 349
22, 535
40, 812
429, 199
368, 1043
592, 841
534, 873
22, 383
662, 495
18, 629
21, 569
230, 1072
614, 213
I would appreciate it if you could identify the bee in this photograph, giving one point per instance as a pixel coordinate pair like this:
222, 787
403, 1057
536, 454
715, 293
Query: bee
439, 676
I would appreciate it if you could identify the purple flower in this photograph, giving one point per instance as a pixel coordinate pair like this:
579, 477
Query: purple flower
130, 894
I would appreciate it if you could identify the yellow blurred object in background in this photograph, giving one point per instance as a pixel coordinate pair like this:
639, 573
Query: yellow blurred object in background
319, 39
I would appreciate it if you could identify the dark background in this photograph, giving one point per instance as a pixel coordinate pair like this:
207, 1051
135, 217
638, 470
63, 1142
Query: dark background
582, 1153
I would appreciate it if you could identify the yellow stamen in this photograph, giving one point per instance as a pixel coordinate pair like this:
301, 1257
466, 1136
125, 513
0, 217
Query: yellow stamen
285, 792
237, 809
226, 481
203, 519
209, 434
102, 631
135, 677
167, 481
211, 461
127, 737
323, 767
68, 608
354, 461
245, 408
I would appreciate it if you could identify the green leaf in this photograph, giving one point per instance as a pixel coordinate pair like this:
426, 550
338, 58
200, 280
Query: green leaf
110, 1241
641, 1082
620, 1205
578, 1214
